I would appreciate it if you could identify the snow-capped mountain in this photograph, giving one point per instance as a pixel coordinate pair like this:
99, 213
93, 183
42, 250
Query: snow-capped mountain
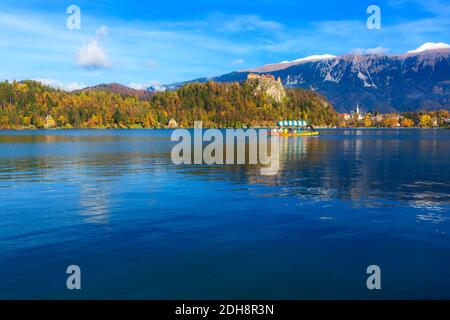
416, 80
286, 64
430, 46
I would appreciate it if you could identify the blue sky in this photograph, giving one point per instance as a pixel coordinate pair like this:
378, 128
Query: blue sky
139, 43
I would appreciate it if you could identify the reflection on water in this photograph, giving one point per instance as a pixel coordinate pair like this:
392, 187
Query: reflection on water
94, 204
113, 202
366, 169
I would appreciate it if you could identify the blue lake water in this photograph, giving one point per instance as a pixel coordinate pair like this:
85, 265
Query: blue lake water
141, 227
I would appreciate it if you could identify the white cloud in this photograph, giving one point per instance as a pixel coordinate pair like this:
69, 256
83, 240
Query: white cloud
74, 86
156, 85
71, 86
430, 46
49, 82
376, 50
92, 56
315, 57
238, 61
139, 86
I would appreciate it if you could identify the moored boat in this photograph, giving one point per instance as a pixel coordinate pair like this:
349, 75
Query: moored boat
293, 128
297, 134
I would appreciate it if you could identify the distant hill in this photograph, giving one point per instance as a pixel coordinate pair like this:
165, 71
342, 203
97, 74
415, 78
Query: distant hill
119, 89
417, 80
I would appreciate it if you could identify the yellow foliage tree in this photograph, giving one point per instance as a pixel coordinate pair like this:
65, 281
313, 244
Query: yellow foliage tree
367, 121
40, 123
61, 121
425, 121
4, 122
26, 120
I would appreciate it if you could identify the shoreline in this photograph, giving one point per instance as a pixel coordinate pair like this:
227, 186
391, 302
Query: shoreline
223, 128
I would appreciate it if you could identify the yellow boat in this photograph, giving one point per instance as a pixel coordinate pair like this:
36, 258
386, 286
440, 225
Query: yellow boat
295, 134
293, 128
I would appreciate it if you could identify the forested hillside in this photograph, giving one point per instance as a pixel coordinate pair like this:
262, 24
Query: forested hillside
30, 104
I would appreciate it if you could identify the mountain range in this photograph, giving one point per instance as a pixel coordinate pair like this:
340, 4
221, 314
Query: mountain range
416, 80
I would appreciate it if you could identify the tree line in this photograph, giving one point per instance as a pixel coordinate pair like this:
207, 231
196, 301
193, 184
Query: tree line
30, 104
420, 119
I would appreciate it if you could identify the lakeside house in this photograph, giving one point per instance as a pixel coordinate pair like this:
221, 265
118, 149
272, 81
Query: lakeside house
49, 122
434, 122
172, 124
377, 117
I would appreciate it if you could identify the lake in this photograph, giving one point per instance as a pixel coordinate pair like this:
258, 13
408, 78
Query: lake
140, 227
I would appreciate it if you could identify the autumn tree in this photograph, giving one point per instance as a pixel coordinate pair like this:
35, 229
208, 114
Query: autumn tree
407, 123
425, 121
367, 120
